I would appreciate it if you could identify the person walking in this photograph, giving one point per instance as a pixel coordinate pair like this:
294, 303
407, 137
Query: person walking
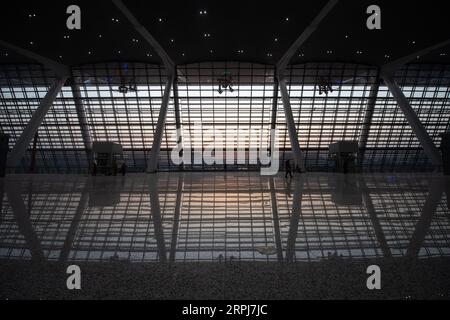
123, 168
288, 169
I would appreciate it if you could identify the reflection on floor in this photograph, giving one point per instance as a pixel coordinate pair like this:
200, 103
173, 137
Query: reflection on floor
144, 223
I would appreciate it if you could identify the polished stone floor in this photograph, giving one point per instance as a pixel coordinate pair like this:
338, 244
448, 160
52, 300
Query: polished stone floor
233, 235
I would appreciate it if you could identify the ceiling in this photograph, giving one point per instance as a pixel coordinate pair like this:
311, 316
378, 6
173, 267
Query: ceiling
194, 31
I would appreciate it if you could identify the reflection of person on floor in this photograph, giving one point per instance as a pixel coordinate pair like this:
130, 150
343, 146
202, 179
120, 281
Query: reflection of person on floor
288, 169
94, 167
288, 187
123, 168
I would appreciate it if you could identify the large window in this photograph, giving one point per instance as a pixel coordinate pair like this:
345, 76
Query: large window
236, 118
392, 144
228, 106
59, 145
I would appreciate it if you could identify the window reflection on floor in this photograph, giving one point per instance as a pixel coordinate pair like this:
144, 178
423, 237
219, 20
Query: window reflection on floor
218, 217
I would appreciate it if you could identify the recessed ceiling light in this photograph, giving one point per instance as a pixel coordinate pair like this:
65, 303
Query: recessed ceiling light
276, 39
207, 35
240, 51
100, 36
89, 52
66, 36
149, 55
443, 54
269, 54
286, 19
60, 57
118, 52
31, 42
160, 19
329, 51
115, 20
182, 54
346, 36
31, 15
386, 56
6, 54
358, 52
172, 40
413, 42
301, 54
211, 51
417, 57
203, 12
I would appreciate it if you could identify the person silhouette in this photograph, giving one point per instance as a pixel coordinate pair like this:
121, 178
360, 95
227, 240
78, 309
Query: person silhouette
288, 169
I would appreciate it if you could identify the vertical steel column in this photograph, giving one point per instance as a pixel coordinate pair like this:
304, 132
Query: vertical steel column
295, 218
157, 138
176, 105
413, 120
81, 208
82, 119
276, 219
368, 203
30, 130
281, 67
295, 146
33, 152
367, 122
170, 69
156, 218
176, 219
273, 124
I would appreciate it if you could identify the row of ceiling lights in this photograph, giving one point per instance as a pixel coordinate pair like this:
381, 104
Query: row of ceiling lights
240, 51
204, 12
